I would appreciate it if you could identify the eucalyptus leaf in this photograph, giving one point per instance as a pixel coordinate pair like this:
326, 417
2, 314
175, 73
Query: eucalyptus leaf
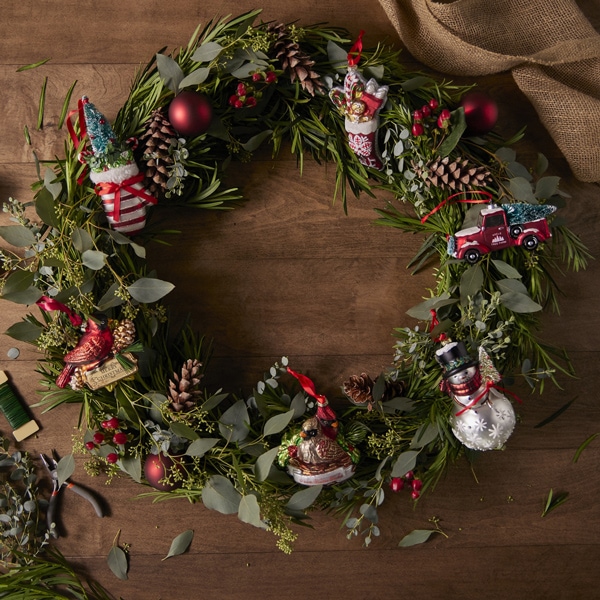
519, 303
415, 83
195, 78
207, 52
184, 431
506, 269
404, 463
520, 188
264, 462
415, 537
379, 388
380, 467
302, 499
110, 299
233, 423
170, 72
422, 311
54, 187
132, 465
149, 289
254, 142
180, 543
201, 446
506, 155
17, 235
65, 468
459, 126
471, 283
117, 562
511, 285
18, 281
214, 401
376, 71
298, 405
249, 512
219, 494
24, 331
338, 57
546, 187
426, 434
278, 423
541, 165
45, 208
369, 512
93, 259
81, 240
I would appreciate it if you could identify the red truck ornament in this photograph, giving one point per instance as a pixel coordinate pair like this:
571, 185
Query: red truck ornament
502, 226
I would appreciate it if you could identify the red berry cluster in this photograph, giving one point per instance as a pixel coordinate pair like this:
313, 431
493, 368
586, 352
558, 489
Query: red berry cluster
110, 433
248, 95
410, 482
427, 114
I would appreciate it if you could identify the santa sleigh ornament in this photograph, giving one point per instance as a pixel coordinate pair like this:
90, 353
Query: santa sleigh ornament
113, 170
360, 102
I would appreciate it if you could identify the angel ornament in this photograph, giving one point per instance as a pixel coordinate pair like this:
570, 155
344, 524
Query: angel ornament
360, 101
482, 418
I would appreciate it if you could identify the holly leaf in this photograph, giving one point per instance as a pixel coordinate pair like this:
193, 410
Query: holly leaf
415, 537
180, 543
148, 289
219, 494
117, 562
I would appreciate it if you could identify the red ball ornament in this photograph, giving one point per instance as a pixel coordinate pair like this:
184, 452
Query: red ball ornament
190, 113
157, 467
481, 112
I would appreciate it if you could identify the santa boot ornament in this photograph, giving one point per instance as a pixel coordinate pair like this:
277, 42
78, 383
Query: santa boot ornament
360, 102
118, 180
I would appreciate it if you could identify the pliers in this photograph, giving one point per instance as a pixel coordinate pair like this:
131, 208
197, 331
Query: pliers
51, 464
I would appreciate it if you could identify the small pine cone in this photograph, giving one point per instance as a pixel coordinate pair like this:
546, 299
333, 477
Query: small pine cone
393, 389
359, 389
456, 175
155, 151
77, 379
295, 62
184, 392
123, 335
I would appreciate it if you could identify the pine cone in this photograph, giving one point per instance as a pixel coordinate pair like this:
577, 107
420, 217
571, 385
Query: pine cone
123, 335
393, 389
184, 392
294, 61
156, 142
359, 389
456, 175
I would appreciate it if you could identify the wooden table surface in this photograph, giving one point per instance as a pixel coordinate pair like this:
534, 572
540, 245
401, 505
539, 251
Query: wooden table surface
290, 274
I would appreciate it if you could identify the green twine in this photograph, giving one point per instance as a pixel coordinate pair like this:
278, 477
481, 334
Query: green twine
12, 408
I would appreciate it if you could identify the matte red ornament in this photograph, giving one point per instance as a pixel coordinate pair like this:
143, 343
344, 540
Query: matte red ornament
481, 112
157, 467
190, 113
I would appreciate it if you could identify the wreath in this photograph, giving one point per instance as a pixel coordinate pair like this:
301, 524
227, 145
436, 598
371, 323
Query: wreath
486, 221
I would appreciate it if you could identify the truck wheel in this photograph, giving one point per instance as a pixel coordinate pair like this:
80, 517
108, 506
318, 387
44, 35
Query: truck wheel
515, 231
531, 242
472, 256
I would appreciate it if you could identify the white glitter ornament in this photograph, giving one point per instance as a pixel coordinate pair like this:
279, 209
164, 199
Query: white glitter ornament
483, 417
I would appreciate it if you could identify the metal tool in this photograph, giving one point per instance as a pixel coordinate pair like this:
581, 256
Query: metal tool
52, 464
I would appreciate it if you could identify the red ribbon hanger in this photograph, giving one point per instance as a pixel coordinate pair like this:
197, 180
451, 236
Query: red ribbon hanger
355, 52
48, 304
450, 200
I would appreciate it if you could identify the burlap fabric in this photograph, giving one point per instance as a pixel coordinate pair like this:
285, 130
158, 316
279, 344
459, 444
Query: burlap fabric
550, 47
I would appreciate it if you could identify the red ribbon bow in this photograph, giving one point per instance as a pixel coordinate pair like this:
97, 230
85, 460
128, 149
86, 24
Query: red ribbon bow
48, 304
105, 187
324, 411
355, 52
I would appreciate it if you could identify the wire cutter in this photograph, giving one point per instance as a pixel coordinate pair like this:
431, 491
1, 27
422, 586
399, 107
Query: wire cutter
51, 464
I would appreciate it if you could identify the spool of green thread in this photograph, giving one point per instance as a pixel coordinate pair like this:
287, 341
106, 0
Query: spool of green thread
16, 415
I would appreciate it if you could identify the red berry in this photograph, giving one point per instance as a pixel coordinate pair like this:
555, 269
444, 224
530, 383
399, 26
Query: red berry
251, 101
271, 77
415, 494
417, 129
410, 475
98, 437
233, 99
112, 423
417, 116
239, 104
426, 110
241, 89
417, 484
433, 104
256, 76
90, 445
120, 438
396, 484
112, 458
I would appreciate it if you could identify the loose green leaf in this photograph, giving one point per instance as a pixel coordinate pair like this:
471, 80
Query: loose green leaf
65, 468
42, 105
553, 501
219, 494
519, 303
93, 259
17, 235
278, 423
33, 65
201, 446
584, 446
117, 562
207, 52
233, 423
147, 289
170, 72
264, 462
249, 511
404, 463
554, 415
304, 498
65, 106
180, 543
415, 537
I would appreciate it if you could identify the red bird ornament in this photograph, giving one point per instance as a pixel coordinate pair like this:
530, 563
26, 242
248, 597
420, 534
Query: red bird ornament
91, 350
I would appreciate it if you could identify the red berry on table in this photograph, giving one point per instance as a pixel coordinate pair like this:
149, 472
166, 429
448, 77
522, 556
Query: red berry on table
417, 129
433, 104
417, 116
112, 458
396, 484
426, 110
90, 445
98, 437
120, 438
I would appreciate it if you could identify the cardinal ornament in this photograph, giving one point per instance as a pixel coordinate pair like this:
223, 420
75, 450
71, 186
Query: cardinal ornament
113, 169
360, 102
482, 418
